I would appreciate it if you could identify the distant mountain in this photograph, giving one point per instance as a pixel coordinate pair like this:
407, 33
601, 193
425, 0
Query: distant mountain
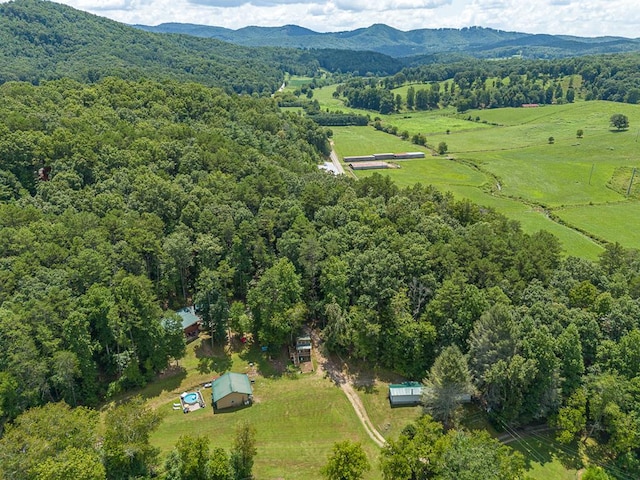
42, 40
476, 41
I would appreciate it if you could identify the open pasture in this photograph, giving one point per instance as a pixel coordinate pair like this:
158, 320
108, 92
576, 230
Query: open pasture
432, 123
295, 81
366, 141
615, 222
536, 177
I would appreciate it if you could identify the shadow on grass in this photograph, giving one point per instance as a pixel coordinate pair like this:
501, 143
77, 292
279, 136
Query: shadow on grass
230, 409
212, 359
269, 365
168, 380
542, 448
367, 379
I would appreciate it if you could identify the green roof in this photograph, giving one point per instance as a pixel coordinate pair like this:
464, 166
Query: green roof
188, 316
405, 385
229, 383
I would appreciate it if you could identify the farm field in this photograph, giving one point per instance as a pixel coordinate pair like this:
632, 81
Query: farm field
506, 161
615, 221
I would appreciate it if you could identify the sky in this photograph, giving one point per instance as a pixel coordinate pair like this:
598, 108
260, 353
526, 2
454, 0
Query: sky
586, 18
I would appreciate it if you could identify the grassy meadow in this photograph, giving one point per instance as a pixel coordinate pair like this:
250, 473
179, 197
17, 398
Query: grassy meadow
297, 418
503, 158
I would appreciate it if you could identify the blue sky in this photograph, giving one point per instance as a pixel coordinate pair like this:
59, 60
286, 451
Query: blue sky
589, 18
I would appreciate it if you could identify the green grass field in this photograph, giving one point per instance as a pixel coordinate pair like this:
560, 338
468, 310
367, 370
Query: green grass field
546, 459
505, 161
297, 419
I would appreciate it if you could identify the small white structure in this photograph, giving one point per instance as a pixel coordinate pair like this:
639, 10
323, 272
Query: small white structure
405, 394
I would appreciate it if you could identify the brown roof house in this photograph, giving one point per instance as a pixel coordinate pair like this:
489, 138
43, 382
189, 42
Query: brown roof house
231, 390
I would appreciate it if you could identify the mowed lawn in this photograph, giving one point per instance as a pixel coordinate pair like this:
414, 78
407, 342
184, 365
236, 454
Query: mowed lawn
389, 421
506, 161
297, 419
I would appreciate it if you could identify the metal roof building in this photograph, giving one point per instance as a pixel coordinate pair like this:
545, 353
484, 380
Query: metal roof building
368, 165
407, 393
231, 390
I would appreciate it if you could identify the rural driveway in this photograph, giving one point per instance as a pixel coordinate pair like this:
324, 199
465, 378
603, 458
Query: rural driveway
336, 372
336, 161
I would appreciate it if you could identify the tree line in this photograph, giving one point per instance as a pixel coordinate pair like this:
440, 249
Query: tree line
472, 83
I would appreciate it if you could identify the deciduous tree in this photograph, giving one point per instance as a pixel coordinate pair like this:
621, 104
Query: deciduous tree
347, 461
620, 121
243, 451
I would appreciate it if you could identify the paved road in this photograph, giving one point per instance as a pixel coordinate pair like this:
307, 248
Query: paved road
336, 160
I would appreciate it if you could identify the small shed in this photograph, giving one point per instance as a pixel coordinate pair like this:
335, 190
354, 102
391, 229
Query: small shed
231, 390
190, 321
406, 393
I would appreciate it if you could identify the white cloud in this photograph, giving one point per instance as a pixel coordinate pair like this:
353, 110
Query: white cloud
388, 5
571, 17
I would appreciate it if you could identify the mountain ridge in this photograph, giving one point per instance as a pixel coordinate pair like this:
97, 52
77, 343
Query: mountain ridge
480, 42
42, 40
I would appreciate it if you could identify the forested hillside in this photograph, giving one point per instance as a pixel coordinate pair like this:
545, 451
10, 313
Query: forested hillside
42, 40
473, 42
162, 194
125, 197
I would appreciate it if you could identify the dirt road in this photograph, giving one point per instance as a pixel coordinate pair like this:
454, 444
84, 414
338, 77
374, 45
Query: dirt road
335, 370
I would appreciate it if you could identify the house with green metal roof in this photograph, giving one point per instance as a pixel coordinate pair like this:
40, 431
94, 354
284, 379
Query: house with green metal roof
231, 390
190, 321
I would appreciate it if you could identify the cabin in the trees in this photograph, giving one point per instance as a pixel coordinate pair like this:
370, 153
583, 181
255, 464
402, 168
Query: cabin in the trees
405, 394
190, 322
231, 390
301, 353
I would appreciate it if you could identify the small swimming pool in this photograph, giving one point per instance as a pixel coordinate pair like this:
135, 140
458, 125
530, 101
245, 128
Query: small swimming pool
190, 398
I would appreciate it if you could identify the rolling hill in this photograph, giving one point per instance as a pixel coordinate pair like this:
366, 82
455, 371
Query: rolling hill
476, 41
42, 40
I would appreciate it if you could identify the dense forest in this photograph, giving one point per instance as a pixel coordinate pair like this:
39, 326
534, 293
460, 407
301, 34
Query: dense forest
163, 193
41, 40
123, 199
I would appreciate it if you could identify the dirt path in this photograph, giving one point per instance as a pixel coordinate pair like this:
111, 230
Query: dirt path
335, 370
